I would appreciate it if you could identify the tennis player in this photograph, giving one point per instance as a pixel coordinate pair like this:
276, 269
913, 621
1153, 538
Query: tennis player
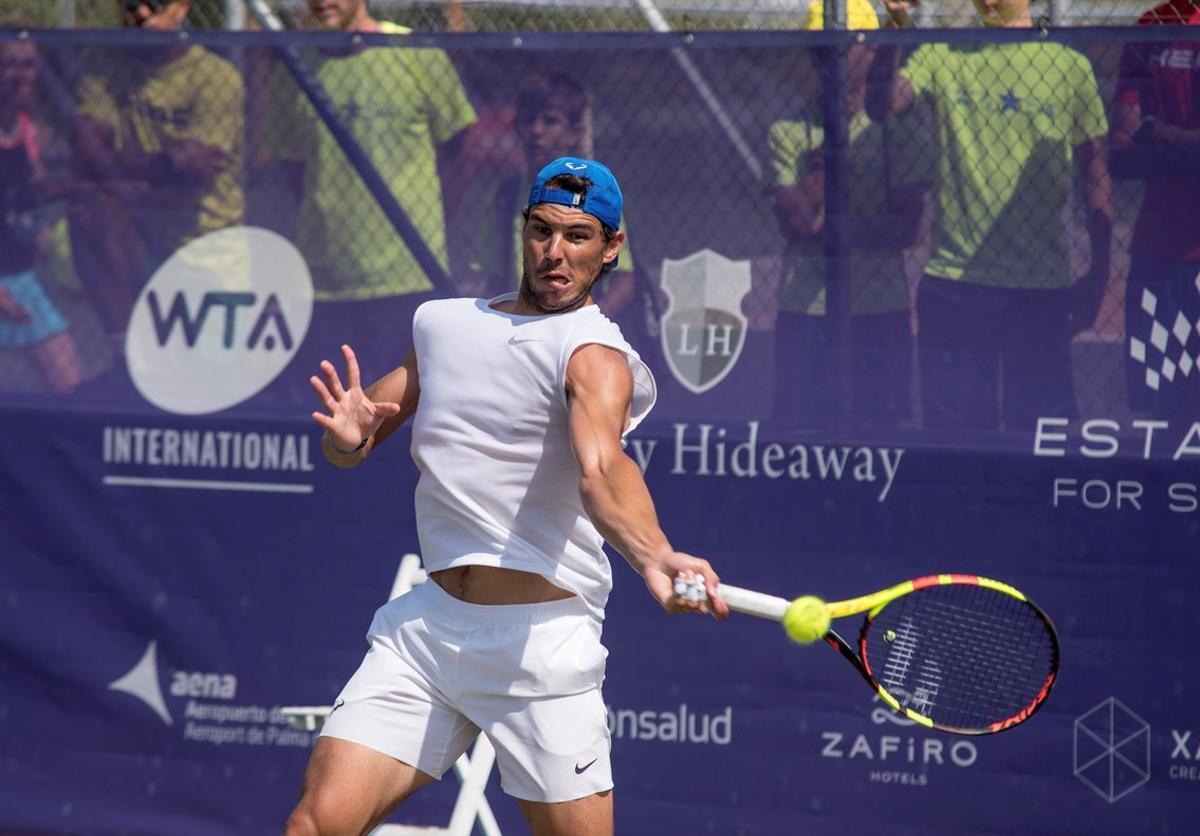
521, 404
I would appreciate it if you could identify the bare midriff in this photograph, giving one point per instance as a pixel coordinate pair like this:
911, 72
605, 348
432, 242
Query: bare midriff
493, 585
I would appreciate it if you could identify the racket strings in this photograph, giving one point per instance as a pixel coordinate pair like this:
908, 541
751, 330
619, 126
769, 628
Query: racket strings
963, 655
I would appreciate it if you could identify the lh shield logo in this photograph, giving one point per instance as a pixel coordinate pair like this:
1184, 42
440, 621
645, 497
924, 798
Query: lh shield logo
704, 330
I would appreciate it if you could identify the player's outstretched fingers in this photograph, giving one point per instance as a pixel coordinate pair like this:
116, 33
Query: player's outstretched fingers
332, 381
323, 394
353, 376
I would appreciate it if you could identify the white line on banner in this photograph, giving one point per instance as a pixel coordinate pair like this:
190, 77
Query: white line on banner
207, 484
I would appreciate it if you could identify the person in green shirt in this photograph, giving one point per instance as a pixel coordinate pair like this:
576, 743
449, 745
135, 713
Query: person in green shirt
1016, 124
404, 106
158, 151
889, 176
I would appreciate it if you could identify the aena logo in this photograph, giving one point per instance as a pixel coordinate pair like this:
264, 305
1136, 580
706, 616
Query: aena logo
219, 321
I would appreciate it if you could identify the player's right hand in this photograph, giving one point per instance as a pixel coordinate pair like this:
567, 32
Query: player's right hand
661, 577
350, 415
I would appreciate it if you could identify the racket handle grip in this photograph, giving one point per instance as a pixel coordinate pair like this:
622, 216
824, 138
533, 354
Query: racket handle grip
745, 601
749, 602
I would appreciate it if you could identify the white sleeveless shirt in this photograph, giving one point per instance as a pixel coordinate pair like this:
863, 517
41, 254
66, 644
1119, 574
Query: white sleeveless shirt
499, 480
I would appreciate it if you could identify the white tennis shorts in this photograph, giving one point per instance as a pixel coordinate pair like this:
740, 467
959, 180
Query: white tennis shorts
439, 670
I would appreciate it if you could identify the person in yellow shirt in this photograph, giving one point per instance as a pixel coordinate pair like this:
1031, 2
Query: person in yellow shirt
404, 107
888, 178
158, 149
1018, 124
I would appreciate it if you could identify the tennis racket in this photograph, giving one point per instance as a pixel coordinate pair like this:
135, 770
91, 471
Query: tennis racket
958, 653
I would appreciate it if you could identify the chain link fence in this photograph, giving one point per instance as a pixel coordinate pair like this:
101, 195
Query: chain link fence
566, 15
971, 226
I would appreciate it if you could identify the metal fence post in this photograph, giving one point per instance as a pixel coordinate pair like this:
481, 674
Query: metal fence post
235, 14
835, 116
66, 13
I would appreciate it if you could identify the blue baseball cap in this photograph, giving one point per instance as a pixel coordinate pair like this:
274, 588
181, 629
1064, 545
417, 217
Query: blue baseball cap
603, 199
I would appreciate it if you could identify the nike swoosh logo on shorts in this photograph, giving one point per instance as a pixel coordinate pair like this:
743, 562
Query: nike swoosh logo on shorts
579, 770
515, 340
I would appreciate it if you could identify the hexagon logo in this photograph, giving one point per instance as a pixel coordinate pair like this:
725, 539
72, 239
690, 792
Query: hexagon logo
1112, 750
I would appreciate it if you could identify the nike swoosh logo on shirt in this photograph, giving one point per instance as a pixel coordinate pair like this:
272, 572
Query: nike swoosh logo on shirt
515, 340
579, 770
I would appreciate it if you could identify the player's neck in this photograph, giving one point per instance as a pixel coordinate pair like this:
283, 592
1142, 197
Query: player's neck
526, 304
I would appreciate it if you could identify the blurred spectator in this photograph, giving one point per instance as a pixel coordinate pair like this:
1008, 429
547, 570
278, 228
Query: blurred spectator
1156, 138
29, 320
888, 177
400, 104
997, 306
158, 147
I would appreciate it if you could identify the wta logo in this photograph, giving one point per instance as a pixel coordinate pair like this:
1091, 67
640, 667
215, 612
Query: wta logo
219, 321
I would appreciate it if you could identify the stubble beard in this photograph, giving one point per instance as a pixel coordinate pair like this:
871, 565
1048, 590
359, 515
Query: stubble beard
530, 297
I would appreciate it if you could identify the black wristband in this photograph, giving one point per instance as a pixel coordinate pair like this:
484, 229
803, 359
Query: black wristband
333, 446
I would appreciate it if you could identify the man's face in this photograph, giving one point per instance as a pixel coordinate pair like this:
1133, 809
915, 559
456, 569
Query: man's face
338, 14
564, 250
1001, 12
18, 72
154, 14
547, 134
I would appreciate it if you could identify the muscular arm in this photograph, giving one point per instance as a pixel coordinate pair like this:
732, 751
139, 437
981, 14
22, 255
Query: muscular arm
600, 394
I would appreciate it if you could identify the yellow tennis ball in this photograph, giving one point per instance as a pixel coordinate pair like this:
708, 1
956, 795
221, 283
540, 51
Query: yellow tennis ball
806, 619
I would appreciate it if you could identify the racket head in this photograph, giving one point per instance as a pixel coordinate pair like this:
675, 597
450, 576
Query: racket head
959, 653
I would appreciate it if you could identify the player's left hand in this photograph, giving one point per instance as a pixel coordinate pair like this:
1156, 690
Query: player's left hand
352, 415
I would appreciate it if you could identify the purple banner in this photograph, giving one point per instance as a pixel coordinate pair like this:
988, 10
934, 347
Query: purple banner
1004, 383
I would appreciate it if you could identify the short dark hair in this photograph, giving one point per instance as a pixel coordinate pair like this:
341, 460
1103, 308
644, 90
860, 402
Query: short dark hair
540, 92
579, 185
